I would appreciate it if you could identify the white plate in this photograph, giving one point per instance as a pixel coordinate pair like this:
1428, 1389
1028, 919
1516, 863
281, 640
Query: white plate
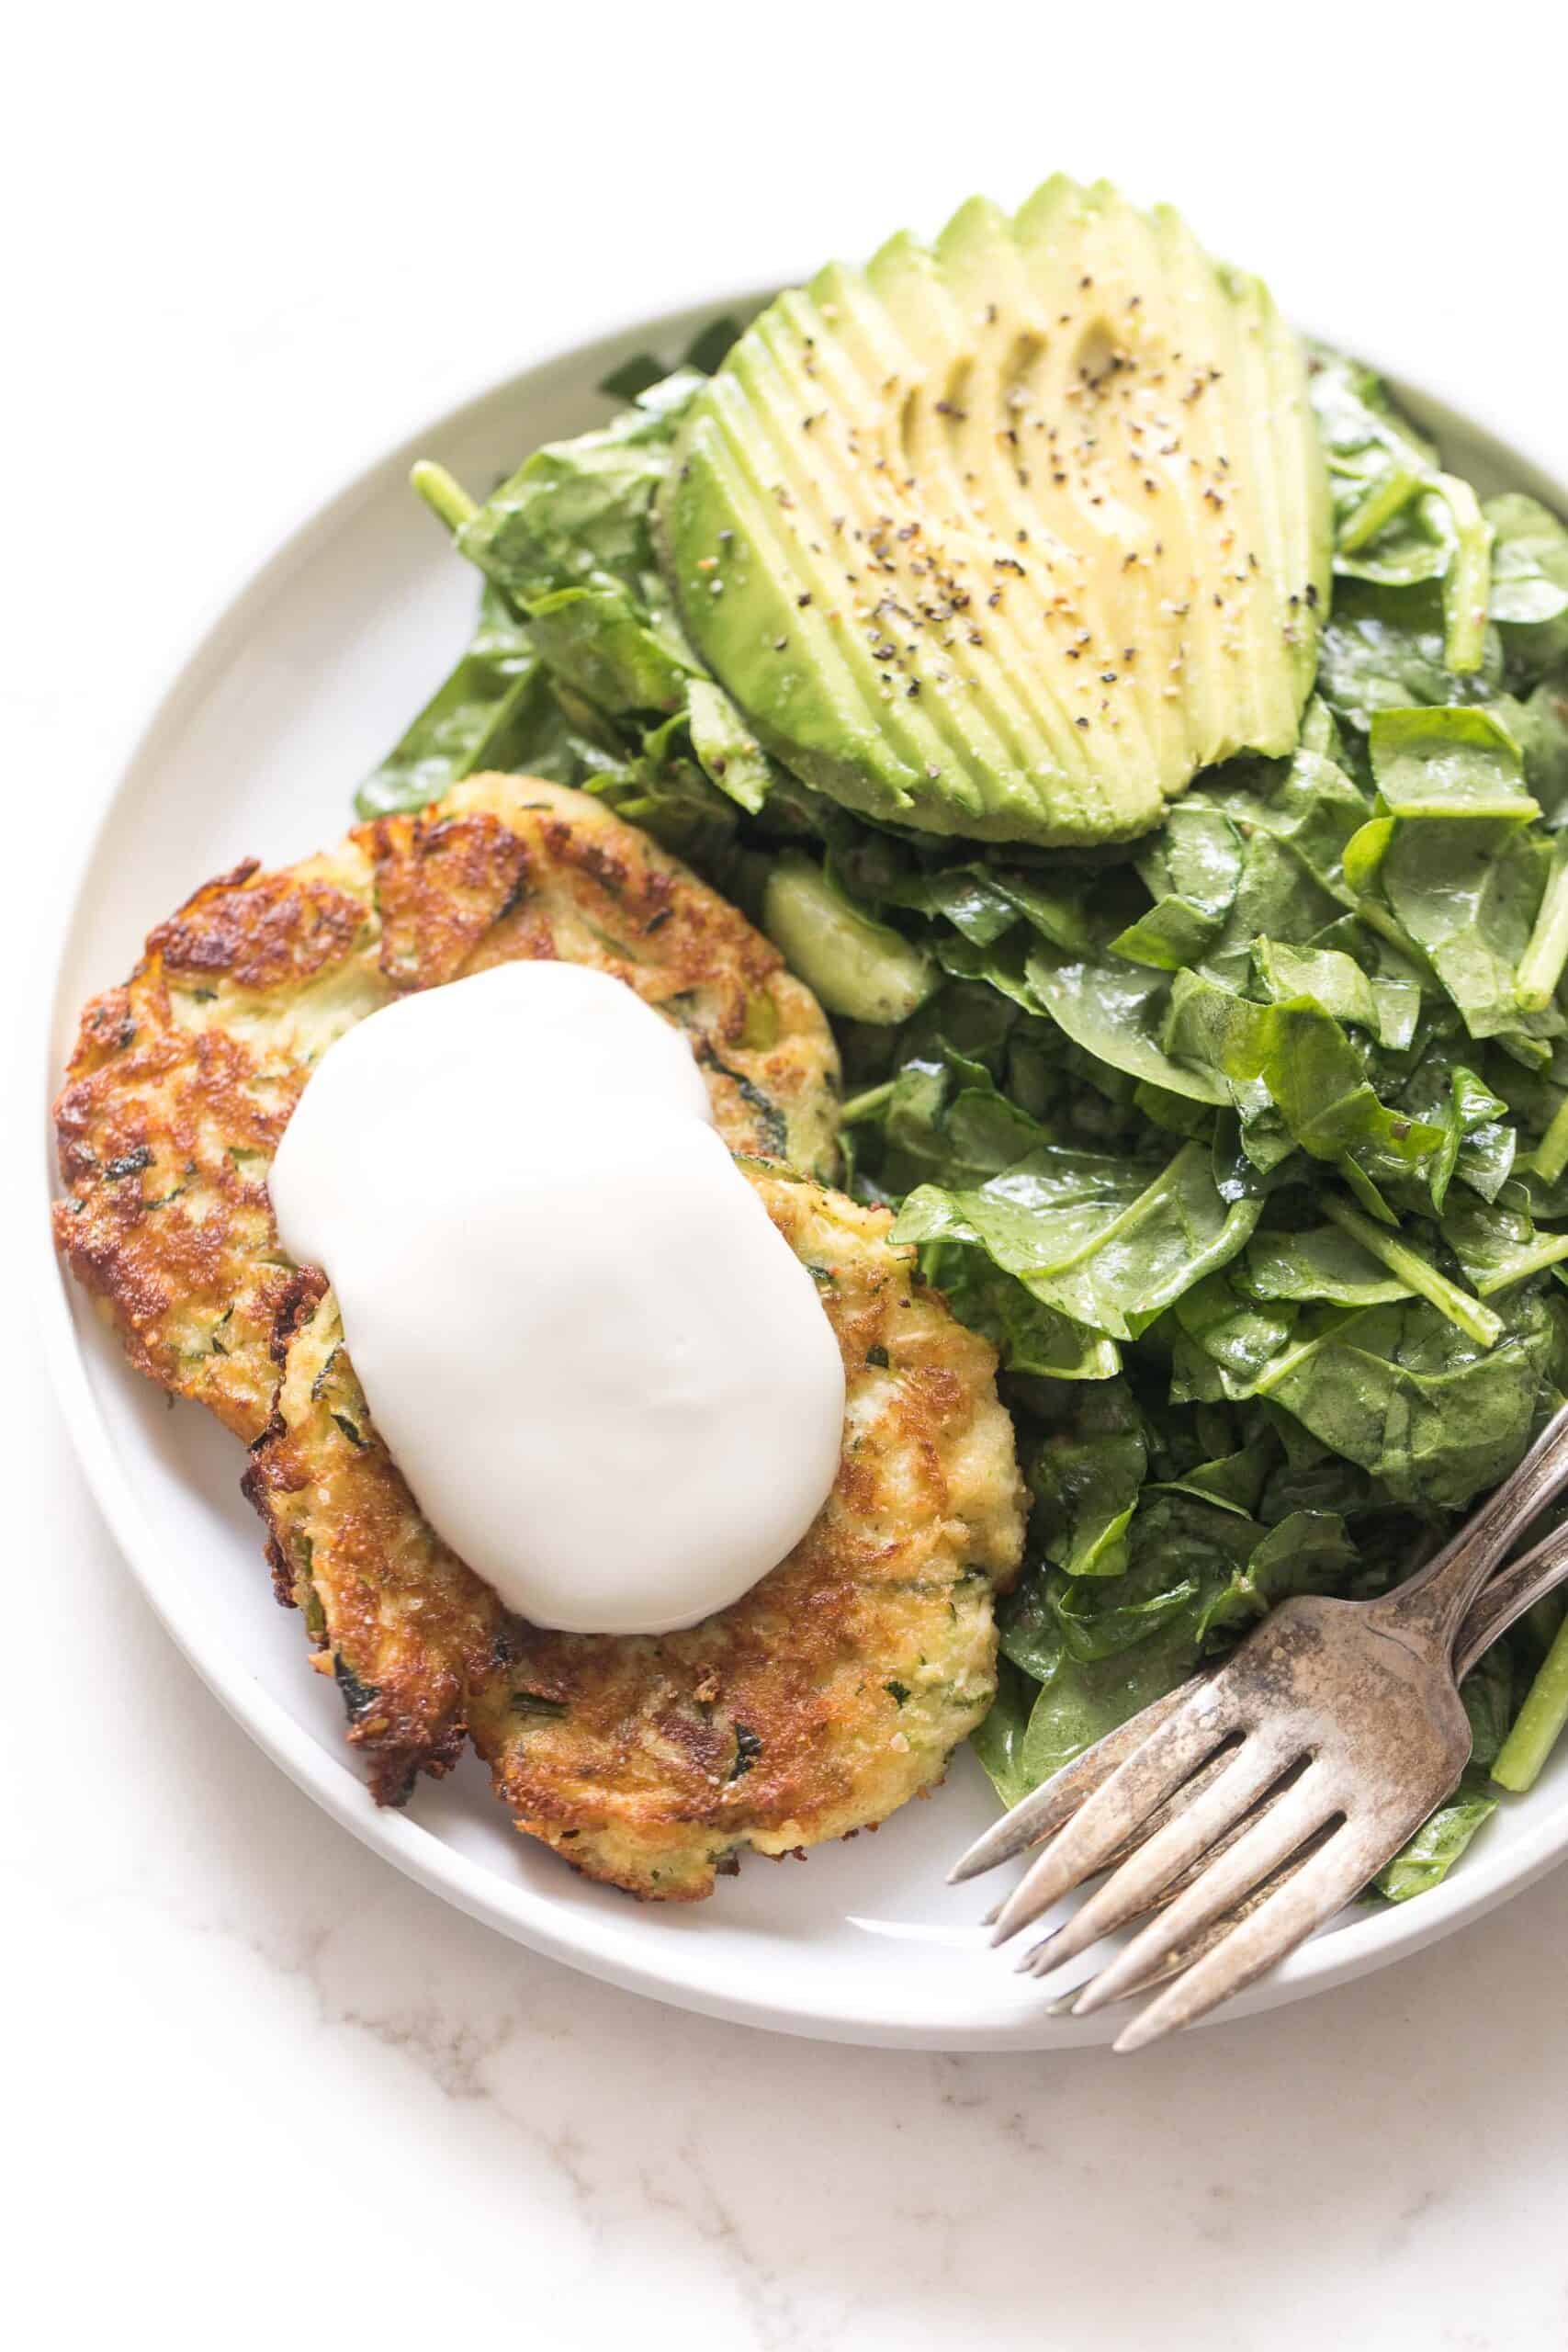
311, 669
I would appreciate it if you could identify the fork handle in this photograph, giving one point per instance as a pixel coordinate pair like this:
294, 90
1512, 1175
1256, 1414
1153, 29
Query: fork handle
1513, 1590
1430, 1606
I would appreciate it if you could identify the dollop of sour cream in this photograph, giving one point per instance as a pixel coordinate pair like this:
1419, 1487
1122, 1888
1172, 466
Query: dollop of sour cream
605, 1375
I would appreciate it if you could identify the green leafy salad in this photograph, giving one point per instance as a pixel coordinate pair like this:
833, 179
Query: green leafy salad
1191, 897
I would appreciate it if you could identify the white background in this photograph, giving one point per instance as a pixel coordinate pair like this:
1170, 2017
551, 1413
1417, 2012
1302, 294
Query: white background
257, 2086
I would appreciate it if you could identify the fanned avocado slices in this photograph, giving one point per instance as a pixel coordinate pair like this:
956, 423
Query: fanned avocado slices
1010, 536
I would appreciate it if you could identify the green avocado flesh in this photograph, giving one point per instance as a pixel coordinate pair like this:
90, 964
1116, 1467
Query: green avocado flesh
1010, 536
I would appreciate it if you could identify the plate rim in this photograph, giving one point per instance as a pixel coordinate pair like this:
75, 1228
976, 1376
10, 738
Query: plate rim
601, 1945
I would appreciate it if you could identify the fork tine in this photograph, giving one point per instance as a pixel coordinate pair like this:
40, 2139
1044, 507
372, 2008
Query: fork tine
1150, 1871
1047, 1963
1202, 1782
1338, 1870
1273, 1839
1041, 1813
1172, 1809
1167, 1756
1189, 1952
1174, 1806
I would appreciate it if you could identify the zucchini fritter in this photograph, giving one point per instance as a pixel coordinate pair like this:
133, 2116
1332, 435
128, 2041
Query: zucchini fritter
183, 1080
833, 1691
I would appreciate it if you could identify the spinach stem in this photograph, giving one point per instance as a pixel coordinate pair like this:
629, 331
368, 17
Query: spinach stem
1550, 1157
1466, 584
1541, 1720
1540, 966
443, 493
1410, 1267
1379, 919
1381, 503
866, 1105
1549, 1250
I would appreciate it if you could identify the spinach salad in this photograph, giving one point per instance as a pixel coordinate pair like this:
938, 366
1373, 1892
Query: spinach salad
1245, 1141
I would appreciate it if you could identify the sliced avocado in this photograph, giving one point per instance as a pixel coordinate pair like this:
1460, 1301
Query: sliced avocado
862, 969
1011, 534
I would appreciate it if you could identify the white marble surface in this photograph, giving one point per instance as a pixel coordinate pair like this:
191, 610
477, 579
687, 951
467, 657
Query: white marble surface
257, 2085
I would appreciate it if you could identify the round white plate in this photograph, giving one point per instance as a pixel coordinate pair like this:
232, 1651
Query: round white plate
301, 683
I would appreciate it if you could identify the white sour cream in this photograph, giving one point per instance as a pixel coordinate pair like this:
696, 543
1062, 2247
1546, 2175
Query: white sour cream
603, 1373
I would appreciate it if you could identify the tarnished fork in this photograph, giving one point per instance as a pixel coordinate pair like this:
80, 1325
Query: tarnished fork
1513, 1590
1255, 1802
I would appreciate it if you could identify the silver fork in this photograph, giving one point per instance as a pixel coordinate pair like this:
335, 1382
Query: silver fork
1513, 1590
1251, 1805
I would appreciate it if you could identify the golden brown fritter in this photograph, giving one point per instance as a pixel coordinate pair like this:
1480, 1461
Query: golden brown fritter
831, 1693
183, 1080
